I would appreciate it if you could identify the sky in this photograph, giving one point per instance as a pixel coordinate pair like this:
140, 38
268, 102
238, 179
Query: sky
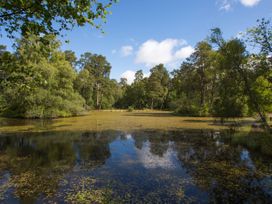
140, 34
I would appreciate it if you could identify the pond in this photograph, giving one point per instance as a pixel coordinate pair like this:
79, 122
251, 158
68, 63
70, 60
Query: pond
140, 166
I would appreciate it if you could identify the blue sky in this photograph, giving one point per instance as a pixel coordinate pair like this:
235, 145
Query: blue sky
142, 33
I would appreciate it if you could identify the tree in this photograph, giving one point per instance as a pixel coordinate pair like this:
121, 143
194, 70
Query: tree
38, 81
134, 95
232, 100
84, 84
202, 60
158, 86
70, 56
139, 75
6, 59
260, 36
50, 16
184, 90
99, 69
192, 87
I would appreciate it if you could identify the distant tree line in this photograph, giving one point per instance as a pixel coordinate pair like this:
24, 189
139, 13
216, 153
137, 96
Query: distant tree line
221, 78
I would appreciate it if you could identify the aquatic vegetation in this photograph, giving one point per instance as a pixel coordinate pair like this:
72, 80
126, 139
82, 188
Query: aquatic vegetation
142, 166
259, 141
222, 173
31, 184
84, 192
120, 120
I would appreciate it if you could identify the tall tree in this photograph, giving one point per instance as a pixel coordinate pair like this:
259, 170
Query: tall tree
158, 86
202, 60
232, 100
99, 68
260, 36
193, 86
84, 84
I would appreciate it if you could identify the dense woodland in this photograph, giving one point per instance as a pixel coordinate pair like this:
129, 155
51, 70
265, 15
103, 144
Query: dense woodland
221, 78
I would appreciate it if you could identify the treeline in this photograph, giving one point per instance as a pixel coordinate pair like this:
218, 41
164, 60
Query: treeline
221, 78
40, 81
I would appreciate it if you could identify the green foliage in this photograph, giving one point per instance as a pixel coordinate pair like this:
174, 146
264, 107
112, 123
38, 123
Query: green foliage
93, 81
231, 100
262, 88
70, 56
134, 95
220, 79
38, 82
130, 109
84, 84
85, 192
193, 85
51, 16
260, 141
261, 36
157, 84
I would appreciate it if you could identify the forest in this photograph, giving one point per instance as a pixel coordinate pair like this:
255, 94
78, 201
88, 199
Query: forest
196, 128
223, 77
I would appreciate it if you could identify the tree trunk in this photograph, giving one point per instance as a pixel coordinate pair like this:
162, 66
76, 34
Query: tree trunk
202, 86
202, 97
97, 95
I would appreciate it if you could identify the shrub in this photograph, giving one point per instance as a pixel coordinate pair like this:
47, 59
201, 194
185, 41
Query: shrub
130, 109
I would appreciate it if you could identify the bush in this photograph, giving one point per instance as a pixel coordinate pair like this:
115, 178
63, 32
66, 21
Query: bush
188, 110
130, 109
231, 107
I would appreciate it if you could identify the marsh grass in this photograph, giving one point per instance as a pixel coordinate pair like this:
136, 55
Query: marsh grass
120, 120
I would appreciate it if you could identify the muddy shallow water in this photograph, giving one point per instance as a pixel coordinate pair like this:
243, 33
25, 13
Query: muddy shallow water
143, 166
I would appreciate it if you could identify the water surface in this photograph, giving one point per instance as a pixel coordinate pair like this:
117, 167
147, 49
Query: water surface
131, 167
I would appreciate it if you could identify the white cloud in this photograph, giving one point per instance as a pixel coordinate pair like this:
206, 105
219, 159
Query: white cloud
147, 74
151, 161
250, 3
126, 50
130, 76
153, 52
227, 5
184, 52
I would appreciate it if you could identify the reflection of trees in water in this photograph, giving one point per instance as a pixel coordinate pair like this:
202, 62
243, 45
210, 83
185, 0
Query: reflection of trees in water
217, 168
36, 166
140, 138
37, 162
213, 163
93, 148
159, 141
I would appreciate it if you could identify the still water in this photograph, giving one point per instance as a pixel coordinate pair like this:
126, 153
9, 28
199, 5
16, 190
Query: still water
131, 167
